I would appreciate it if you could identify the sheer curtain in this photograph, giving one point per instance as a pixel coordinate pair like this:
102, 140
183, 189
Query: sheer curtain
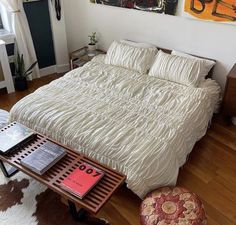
21, 30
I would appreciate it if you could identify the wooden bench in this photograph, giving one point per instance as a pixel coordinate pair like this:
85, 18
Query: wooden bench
92, 202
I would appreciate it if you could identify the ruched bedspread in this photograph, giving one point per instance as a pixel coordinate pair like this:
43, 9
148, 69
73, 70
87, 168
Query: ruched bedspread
139, 125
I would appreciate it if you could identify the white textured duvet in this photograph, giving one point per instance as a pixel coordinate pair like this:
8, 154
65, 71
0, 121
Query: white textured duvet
137, 124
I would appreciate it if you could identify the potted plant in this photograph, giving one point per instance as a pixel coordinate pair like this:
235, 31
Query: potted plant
21, 73
92, 42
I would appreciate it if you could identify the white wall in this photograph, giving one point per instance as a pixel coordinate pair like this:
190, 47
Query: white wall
212, 40
59, 38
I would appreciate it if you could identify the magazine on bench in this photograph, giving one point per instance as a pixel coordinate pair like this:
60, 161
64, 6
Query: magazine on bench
44, 157
14, 134
82, 180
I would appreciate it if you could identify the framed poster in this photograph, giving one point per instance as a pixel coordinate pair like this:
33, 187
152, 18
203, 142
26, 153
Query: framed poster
214, 10
158, 6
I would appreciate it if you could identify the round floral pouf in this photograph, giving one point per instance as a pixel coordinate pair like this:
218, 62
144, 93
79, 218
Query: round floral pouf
174, 206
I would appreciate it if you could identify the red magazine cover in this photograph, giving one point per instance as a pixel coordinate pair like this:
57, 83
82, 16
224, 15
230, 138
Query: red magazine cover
82, 180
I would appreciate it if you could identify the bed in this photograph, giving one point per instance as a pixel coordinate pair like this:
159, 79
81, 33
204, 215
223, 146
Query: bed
139, 125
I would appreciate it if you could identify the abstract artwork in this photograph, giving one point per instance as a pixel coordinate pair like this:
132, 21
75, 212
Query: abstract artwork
158, 6
215, 10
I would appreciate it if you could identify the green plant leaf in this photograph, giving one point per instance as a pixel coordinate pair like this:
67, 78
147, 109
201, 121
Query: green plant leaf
17, 63
20, 70
30, 68
21, 66
27, 74
93, 39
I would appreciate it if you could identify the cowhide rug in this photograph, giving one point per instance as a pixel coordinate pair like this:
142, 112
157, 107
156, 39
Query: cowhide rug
24, 201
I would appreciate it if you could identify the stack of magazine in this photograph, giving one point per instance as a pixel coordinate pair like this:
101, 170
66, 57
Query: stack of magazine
79, 63
82, 180
79, 182
13, 135
44, 157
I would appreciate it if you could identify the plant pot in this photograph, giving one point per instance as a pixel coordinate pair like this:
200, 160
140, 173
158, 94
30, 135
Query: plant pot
92, 47
21, 83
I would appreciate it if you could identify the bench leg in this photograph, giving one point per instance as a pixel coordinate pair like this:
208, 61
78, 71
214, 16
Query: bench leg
77, 215
8, 173
83, 216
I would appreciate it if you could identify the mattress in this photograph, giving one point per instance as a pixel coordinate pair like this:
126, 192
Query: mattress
139, 125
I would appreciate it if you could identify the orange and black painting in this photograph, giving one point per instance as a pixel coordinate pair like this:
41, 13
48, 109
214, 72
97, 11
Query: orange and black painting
215, 10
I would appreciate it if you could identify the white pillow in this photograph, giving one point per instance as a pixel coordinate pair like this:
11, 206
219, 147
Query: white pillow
138, 44
176, 68
130, 57
206, 64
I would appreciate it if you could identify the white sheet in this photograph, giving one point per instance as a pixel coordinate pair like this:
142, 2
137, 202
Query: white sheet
137, 124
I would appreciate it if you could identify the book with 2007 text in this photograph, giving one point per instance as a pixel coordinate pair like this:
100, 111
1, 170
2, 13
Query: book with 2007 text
82, 180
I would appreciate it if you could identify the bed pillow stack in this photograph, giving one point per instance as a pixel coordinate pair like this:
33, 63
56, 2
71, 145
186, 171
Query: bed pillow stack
177, 69
138, 44
206, 64
134, 57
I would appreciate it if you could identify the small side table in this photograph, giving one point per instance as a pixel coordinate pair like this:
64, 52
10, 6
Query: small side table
81, 56
229, 100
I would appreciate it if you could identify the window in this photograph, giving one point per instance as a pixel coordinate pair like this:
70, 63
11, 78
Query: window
6, 33
5, 19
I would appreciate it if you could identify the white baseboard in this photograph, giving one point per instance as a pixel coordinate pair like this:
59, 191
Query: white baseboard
47, 70
54, 69
63, 68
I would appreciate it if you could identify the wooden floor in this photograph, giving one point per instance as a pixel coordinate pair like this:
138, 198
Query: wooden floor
210, 172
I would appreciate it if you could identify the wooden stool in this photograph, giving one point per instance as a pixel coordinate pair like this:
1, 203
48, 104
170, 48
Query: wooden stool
172, 205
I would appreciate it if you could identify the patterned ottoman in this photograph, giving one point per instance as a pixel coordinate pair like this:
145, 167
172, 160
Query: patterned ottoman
4, 116
174, 206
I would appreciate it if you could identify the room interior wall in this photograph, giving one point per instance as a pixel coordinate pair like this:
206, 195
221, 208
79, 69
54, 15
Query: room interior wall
208, 39
59, 38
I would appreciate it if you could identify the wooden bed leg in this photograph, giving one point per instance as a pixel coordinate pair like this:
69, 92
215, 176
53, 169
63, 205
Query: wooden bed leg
8, 173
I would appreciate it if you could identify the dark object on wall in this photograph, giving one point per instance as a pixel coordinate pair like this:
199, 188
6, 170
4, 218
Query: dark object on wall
58, 9
40, 26
158, 6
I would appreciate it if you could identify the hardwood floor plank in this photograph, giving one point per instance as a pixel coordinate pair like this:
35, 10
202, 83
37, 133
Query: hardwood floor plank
212, 194
210, 171
216, 217
222, 134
